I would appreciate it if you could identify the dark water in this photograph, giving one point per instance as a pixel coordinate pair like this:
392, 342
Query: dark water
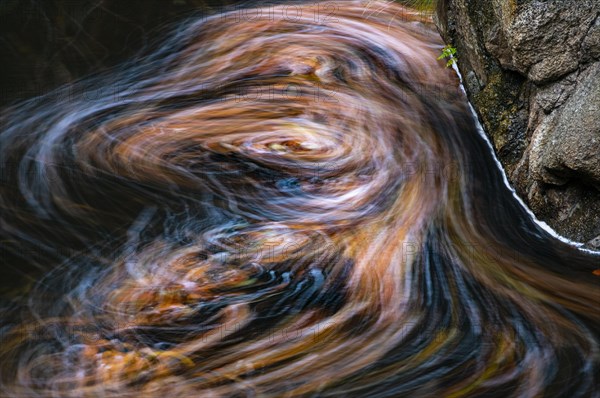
281, 203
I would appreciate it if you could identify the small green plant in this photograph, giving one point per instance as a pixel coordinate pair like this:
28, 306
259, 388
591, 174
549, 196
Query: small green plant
450, 53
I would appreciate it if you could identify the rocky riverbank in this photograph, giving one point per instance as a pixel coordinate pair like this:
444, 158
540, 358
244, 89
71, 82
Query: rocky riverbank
532, 72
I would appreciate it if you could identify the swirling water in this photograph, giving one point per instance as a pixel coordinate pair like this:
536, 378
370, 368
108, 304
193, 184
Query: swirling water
282, 205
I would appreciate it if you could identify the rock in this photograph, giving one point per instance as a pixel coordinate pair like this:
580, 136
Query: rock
553, 95
574, 143
594, 243
590, 48
545, 37
532, 74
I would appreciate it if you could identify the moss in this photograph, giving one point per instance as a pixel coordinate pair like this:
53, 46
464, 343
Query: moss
499, 104
420, 5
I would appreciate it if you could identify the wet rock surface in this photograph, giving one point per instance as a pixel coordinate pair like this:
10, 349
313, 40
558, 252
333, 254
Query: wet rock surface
532, 72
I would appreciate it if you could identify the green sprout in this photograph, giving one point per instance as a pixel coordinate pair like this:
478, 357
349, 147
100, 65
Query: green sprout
450, 53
